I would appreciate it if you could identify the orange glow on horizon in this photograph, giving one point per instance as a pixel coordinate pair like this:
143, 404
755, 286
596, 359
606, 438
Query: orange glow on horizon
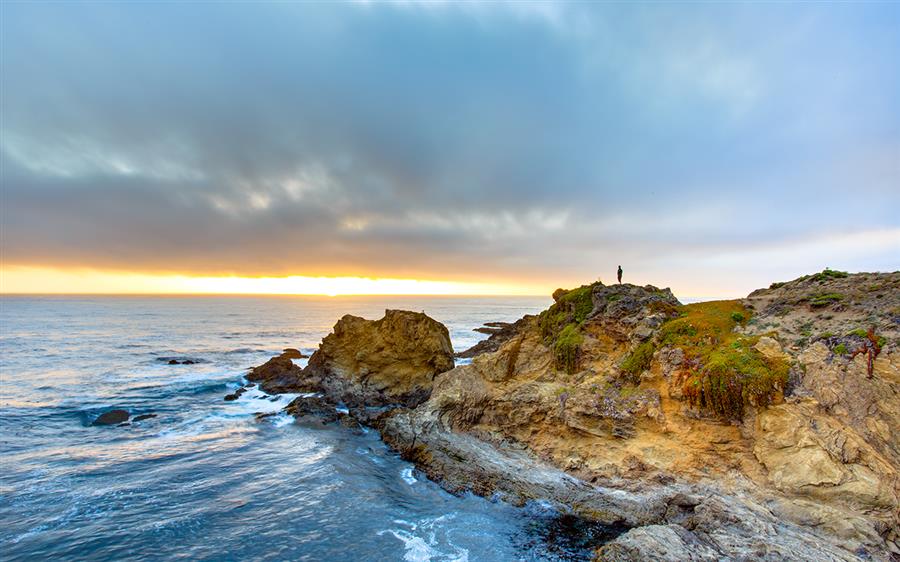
46, 280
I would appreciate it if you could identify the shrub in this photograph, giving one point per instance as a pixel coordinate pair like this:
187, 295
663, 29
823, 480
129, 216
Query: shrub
840, 349
565, 349
737, 317
724, 370
824, 299
639, 360
561, 324
571, 307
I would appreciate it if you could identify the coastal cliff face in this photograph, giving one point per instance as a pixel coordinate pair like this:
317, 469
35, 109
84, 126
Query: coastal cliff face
761, 428
767, 402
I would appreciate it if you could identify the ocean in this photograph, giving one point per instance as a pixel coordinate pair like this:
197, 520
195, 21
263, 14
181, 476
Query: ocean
204, 479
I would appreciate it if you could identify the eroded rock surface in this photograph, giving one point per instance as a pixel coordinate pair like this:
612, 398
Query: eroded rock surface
621, 386
367, 363
381, 362
758, 429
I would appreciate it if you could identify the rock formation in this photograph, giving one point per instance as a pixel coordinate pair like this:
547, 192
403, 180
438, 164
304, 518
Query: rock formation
367, 363
763, 428
376, 363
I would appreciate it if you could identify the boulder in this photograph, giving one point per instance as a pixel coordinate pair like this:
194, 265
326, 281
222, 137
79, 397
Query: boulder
292, 353
278, 375
381, 362
112, 417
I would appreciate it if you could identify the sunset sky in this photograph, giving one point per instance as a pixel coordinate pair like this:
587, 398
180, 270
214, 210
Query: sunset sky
445, 148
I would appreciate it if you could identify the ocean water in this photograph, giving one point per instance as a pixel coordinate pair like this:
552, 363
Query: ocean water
204, 479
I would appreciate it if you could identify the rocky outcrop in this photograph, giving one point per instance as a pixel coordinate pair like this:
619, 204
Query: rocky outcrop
499, 333
390, 361
280, 375
623, 387
365, 364
762, 428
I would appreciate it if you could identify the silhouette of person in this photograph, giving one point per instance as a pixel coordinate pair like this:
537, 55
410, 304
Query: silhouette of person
619, 274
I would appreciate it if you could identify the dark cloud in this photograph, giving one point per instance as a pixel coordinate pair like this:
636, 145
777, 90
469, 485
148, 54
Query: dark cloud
442, 141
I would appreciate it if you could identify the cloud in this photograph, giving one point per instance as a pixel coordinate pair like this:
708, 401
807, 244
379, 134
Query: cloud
442, 141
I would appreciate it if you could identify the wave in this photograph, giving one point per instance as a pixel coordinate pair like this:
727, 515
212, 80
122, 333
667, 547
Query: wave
421, 541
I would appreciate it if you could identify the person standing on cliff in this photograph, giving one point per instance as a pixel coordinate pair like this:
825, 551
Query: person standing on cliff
619, 274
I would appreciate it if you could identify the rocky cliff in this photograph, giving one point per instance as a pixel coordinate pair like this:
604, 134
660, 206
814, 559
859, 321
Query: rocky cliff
760, 428
750, 428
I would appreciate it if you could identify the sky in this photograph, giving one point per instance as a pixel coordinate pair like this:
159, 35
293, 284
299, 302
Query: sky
445, 147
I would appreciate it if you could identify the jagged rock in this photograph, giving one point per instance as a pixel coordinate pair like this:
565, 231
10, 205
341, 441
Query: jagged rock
380, 362
279, 375
313, 408
500, 333
111, 417
143, 417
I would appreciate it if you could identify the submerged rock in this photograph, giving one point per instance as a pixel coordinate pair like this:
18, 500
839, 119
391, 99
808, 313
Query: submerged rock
112, 417
143, 417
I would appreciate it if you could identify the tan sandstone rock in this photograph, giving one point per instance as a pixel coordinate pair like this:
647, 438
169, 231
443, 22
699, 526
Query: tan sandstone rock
377, 362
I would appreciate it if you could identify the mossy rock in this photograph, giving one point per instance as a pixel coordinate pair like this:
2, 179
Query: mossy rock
566, 348
639, 360
731, 372
560, 324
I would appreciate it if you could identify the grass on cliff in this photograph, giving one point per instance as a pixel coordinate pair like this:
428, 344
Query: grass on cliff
561, 325
825, 275
639, 360
723, 371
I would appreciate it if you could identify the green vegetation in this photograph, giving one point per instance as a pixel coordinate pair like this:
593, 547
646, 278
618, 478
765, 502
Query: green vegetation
663, 307
561, 324
777, 285
639, 360
738, 317
824, 299
879, 341
840, 349
565, 350
571, 307
825, 275
731, 371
